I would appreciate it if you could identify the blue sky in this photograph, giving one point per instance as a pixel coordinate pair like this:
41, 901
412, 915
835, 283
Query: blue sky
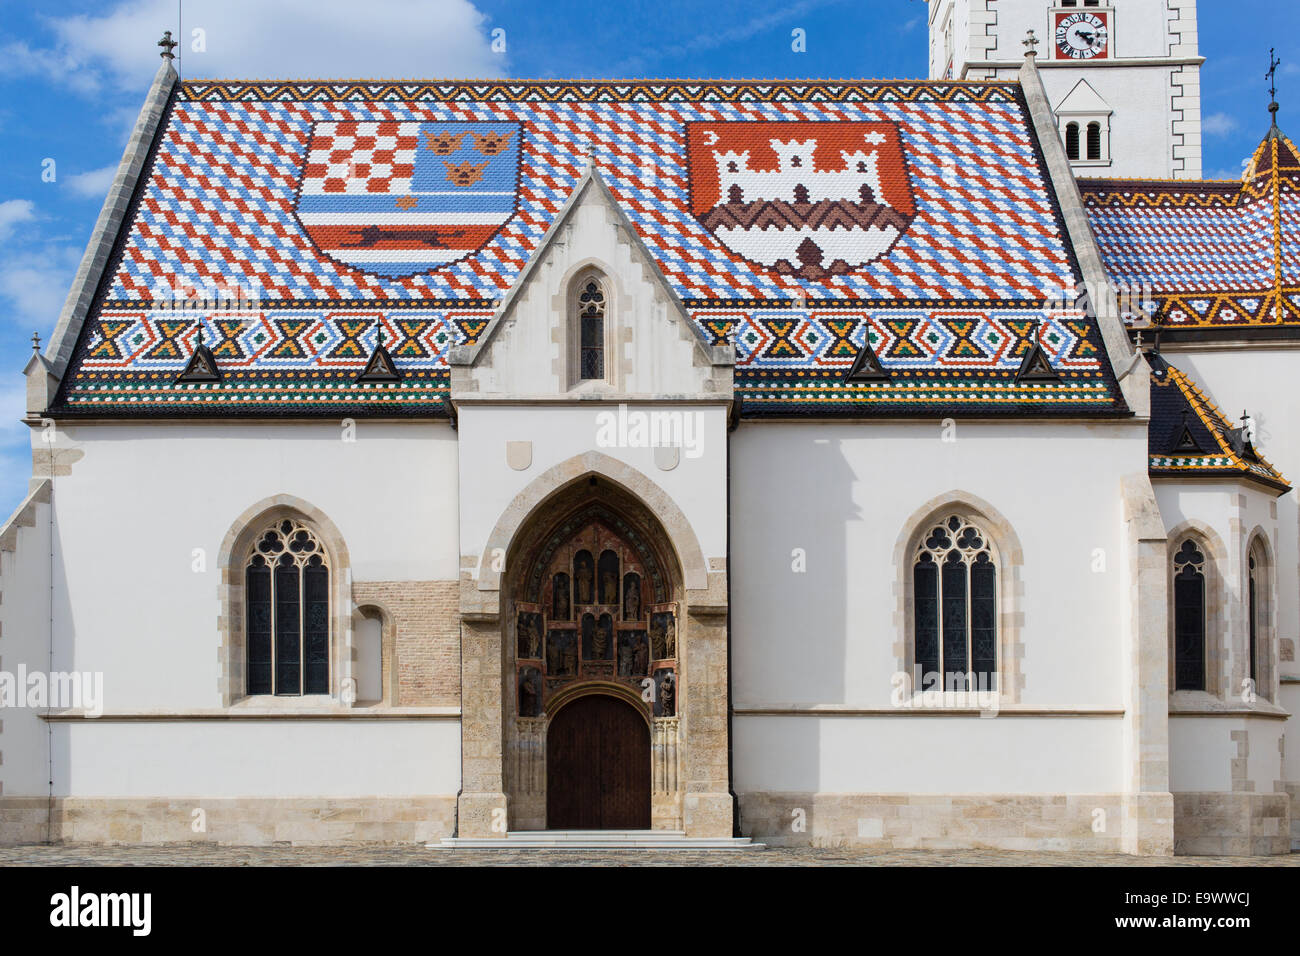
73, 75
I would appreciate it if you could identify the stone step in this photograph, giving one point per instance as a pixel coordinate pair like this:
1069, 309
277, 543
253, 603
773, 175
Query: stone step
598, 840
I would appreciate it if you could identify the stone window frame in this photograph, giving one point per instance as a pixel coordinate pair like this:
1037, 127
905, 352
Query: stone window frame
583, 274
1081, 122
1267, 655
1010, 587
377, 610
231, 620
1216, 617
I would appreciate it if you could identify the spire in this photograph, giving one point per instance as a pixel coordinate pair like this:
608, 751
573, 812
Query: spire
1271, 76
167, 44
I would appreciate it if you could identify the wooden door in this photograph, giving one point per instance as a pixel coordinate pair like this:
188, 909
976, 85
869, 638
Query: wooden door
598, 767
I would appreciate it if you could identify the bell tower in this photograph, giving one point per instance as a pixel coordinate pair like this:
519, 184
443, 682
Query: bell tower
1123, 78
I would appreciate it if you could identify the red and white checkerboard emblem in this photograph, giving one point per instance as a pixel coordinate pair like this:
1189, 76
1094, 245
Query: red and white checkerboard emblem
401, 198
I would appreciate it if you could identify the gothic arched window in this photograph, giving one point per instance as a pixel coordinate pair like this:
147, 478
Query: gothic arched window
1094, 141
287, 586
1072, 140
591, 329
1259, 619
1189, 616
954, 576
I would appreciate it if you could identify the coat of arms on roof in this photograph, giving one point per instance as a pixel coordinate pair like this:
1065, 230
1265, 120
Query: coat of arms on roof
807, 199
400, 198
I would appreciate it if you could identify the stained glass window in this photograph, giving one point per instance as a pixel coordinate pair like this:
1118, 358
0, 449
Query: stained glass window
286, 580
1189, 617
591, 331
955, 617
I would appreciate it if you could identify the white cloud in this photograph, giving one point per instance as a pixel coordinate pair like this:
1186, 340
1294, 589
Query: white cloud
1218, 124
36, 267
252, 39
14, 211
92, 184
35, 281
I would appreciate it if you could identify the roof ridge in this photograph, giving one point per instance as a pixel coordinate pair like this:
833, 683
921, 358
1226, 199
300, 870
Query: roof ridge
587, 81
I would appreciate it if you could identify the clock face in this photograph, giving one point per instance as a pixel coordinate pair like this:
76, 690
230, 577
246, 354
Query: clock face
1081, 36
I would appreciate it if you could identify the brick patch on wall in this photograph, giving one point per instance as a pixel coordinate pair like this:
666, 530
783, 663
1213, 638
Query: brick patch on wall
426, 619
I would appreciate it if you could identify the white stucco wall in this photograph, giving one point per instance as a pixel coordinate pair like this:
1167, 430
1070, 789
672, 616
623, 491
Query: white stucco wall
827, 637
24, 624
558, 433
129, 517
1201, 751
925, 754
257, 758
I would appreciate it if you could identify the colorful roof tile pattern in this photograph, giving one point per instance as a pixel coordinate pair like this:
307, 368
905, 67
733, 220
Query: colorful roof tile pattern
1190, 438
1212, 256
795, 221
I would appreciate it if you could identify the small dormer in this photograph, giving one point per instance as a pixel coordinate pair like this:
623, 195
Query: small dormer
1084, 120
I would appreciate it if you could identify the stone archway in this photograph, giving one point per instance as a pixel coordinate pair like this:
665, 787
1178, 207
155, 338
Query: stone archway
503, 766
592, 606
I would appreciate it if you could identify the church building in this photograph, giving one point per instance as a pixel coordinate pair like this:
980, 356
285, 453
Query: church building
798, 462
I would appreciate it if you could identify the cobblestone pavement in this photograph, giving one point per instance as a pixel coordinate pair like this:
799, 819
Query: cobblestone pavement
388, 855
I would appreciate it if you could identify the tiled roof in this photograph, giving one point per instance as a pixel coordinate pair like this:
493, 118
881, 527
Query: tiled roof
1219, 254
1190, 438
796, 221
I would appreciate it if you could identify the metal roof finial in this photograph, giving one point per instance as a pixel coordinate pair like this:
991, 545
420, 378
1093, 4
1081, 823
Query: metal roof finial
1273, 63
168, 44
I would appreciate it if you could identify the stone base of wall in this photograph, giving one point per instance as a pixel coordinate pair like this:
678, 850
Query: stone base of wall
1232, 824
1064, 822
301, 821
1293, 791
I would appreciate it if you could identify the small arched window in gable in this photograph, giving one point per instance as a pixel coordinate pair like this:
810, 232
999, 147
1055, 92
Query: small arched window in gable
1189, 616
955, 593
287, 587
591, 329
1072, 140
1094, 141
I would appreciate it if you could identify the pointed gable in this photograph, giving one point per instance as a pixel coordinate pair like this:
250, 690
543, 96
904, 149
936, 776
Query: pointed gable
649, 344
1189, 437
1083, 99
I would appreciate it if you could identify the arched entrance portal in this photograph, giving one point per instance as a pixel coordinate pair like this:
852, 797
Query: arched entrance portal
598, 766
592, 641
